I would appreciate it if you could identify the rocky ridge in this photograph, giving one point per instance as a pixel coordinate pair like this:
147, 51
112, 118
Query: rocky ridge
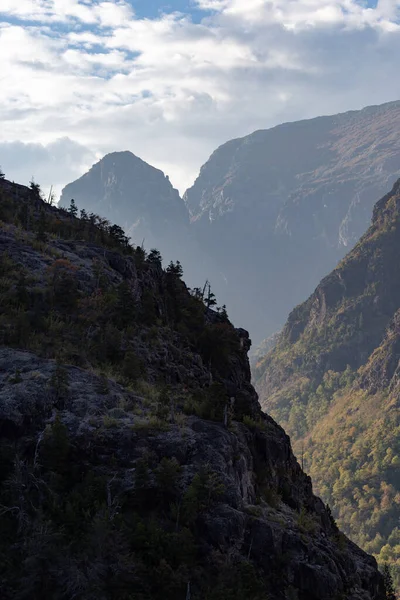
332, 382
135, 459
279, 208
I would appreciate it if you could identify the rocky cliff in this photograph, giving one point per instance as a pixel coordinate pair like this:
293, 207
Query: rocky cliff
279, 208
135, 459
332, 381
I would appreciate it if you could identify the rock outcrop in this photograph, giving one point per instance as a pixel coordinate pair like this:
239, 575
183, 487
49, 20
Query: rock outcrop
135, 459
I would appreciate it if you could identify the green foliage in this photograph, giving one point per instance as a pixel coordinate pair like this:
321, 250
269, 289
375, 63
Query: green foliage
154, 257
216, 343
388, 580
204, 490
254, 424
210, 403
238, 582
306, 522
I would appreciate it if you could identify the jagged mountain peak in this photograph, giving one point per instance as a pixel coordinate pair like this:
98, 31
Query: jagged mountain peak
135, 195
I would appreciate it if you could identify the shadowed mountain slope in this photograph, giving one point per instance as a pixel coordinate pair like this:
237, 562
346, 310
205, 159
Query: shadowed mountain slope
135, 459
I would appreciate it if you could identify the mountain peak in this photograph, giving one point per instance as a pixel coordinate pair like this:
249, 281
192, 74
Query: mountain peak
130, 192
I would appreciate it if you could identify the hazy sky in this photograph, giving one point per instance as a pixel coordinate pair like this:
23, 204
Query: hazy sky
171, 81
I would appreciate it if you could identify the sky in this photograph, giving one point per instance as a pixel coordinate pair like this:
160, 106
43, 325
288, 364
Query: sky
173, 80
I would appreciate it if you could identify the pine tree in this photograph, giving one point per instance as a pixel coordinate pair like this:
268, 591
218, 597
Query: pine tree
154, 257
2, 175
210, 299
35, 189
73, 209
388, 580
118, 235
175, 269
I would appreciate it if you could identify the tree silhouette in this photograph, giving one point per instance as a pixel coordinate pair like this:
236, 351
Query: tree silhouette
388, 580
73, 209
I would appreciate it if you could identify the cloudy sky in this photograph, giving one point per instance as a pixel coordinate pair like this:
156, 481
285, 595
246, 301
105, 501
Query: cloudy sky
172, 80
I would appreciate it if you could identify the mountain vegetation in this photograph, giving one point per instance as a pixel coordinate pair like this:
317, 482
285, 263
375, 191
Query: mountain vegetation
135, 461
332, 381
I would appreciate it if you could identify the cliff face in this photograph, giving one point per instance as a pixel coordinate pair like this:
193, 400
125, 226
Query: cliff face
135, 459
332, 381
279, 208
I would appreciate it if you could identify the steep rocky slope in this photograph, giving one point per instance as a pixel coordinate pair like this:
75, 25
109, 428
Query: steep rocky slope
279, 208
135, 459
332, 382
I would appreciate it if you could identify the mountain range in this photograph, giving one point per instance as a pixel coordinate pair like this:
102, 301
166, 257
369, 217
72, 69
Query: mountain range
135, 459
270, 213
332, 380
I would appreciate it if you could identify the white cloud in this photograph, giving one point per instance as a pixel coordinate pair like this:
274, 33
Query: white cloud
54, 164
171, 90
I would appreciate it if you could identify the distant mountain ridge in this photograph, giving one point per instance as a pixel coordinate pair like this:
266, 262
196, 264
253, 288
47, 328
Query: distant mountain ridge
272, 212
280, 207
140, 198
125, 189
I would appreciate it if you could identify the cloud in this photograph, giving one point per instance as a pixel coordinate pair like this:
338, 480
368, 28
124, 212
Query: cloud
171, 90
54, 164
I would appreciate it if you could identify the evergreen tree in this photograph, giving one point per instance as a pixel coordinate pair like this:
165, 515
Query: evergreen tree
84, 215
155, 257
210, 299
2, 175
35, 189
73, 209
118, 235
388, 580
175, 269
224, 313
